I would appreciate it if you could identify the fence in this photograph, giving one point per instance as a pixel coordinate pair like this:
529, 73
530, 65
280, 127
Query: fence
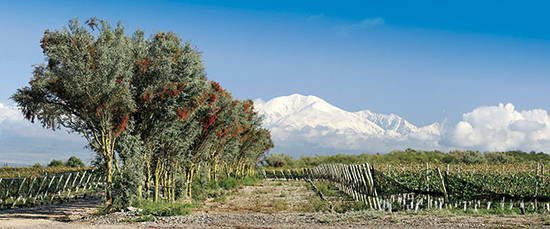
45, 190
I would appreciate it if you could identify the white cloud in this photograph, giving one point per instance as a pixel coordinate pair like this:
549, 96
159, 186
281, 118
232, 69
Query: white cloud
20, 138
367, 23
502, 127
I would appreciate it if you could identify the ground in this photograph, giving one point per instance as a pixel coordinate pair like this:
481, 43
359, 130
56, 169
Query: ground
269, 204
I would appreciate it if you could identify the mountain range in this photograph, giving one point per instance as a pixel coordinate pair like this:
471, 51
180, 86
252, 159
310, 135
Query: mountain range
303, 125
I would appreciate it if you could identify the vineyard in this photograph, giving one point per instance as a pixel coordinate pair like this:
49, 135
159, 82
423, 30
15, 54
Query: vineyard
22, 187
500, 188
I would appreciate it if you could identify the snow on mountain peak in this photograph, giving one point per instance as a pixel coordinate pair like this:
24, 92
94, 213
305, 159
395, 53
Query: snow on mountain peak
300, 119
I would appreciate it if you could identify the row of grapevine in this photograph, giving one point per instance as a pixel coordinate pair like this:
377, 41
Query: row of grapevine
28, 191
415, 187
30, 172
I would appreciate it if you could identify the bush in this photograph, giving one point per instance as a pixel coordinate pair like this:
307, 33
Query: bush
229, 183
74, 162
279, 160
165, 208
55, 163
250, 181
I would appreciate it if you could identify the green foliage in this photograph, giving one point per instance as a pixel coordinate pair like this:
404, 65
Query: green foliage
229, 183
279, 160
469, 156
249, 181
74, 162
56, 163
131, 178
520, 156
37, 166
146, 102
85, 86
164, 208
29, 172
407, 157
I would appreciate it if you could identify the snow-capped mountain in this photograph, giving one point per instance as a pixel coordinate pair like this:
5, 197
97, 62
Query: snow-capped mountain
307, 124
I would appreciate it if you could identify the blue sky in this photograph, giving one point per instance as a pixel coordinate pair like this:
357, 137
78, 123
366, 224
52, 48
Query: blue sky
426, 61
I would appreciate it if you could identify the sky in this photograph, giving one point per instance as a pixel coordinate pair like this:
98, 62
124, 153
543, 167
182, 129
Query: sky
426, 61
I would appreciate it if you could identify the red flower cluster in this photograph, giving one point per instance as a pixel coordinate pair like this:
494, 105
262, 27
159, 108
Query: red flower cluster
213, 98
165, 36
218, 89
120, 78
123, 125
143, 64
221, 132
74, 42
209, 121
172, 90
99, 108
147, 96
237, 131
183, 114
47, 36
32, 80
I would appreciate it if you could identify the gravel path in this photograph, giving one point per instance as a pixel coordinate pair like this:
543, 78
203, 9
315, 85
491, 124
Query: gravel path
270, 204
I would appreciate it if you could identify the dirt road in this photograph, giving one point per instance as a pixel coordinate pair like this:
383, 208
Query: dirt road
270, 204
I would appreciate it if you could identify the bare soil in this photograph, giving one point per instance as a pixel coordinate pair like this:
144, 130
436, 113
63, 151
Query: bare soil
270, 204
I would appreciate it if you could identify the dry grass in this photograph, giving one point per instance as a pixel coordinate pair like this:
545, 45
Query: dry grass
265, 197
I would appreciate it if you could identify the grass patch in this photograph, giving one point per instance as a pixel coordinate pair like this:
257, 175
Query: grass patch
545, 219
276, 184
229, 183
249, 181
279, 205
315, 204
165, 208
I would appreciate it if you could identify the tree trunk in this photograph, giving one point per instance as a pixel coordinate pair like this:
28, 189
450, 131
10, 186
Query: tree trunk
109, 182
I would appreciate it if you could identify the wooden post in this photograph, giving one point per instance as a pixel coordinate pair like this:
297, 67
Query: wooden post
428, 184
537, 184
29, 191
66, 182
56, 187
40, 188
72, 184
375, 195
48, 188
80, 182
19, 192
443, 185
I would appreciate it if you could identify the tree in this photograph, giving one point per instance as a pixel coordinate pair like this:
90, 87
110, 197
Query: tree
145, 102
55, 163
168, 88
74, 162
84, 86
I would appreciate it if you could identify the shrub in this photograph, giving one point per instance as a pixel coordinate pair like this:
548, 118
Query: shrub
165, 208
74, 162
229, 183
55, 163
